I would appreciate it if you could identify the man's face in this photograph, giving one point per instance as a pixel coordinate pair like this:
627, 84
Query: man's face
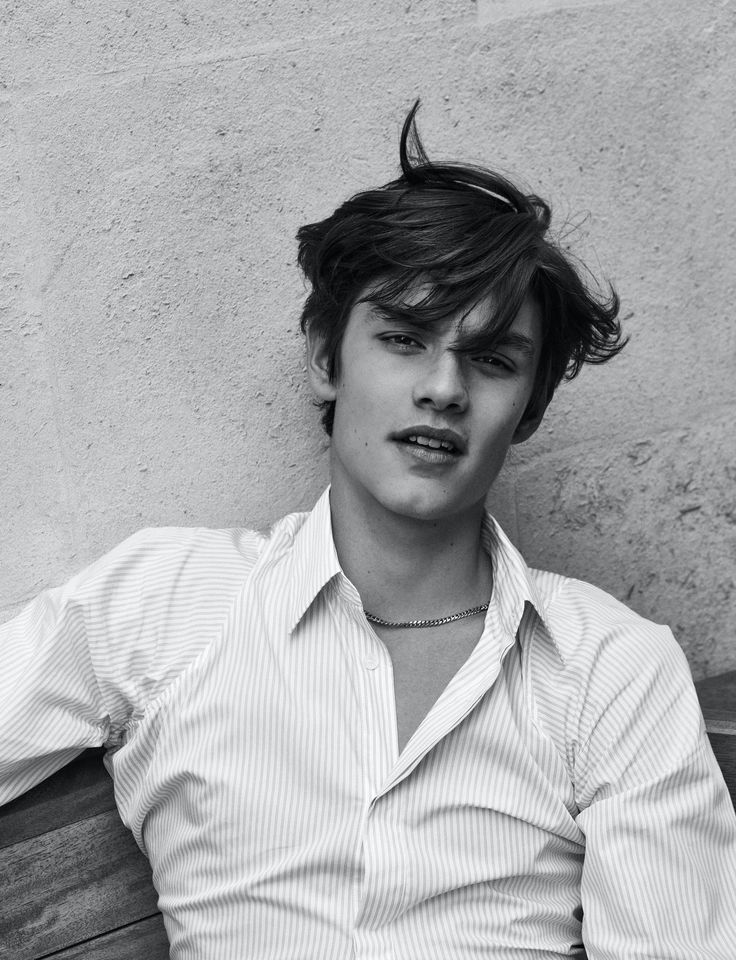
424, 415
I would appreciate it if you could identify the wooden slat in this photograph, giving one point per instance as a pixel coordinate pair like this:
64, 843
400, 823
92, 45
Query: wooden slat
81, 789
717, 697
724, 747
70, 885
145, 940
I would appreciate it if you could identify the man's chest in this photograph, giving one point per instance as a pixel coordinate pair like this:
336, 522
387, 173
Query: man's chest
272, 771
423, 662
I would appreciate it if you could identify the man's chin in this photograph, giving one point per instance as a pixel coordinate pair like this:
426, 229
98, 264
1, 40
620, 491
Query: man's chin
423, 507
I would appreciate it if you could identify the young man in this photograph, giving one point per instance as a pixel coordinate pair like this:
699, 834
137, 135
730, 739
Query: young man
376, 732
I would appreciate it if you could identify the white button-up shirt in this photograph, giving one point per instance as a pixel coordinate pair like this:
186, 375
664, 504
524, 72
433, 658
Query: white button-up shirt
560, 792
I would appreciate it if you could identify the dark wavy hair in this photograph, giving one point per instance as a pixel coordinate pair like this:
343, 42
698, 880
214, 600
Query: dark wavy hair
464, 235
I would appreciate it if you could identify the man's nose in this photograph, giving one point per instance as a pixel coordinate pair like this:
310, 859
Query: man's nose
441, 383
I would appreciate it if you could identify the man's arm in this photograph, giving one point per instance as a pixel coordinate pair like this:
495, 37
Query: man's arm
82, 661
51, 707
72, 659
659, 876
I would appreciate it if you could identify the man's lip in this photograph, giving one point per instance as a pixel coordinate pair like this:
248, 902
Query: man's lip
433, 433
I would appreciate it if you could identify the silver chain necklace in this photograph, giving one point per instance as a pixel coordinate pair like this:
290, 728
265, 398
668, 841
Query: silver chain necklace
427, 623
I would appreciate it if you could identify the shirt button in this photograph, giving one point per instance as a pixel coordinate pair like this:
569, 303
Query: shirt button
371, 661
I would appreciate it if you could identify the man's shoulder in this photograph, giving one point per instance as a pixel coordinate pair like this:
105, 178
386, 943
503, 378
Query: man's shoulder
613, 670
587, 623
579, 597
155, 555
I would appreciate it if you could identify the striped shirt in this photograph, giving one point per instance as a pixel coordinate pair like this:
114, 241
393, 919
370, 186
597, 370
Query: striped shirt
559, 799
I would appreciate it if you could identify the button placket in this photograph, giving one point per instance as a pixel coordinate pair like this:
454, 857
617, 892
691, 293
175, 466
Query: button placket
374, 652
370, 660
383, 883
380, 728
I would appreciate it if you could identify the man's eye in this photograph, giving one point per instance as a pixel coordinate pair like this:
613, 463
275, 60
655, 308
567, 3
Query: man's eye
400, 340
493, 360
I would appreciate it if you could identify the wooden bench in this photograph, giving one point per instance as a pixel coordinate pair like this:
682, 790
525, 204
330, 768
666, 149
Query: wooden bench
73, 878
75, 885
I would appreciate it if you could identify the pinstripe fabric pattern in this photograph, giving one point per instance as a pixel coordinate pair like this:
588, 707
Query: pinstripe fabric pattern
561, 791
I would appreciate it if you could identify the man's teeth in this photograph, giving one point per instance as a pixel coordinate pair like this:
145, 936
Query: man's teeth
431, 442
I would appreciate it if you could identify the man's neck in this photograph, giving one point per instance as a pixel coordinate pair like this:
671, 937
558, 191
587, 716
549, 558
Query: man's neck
406, 569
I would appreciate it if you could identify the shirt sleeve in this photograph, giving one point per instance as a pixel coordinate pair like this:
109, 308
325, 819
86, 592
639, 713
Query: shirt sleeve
74, 665
84, 662
659, 874
50, 705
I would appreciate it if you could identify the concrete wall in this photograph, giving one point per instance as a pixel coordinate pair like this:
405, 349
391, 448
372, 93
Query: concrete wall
156, 161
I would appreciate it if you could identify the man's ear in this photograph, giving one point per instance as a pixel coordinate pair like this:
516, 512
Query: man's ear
528, 424
319, 368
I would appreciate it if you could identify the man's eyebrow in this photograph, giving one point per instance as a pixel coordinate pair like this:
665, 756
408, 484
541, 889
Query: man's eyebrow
388, 311
483, 341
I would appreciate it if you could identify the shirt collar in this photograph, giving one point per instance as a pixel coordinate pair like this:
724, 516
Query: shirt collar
514, 587
313, 560
314, 564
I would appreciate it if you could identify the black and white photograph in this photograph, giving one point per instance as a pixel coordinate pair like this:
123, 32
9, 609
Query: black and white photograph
367, 480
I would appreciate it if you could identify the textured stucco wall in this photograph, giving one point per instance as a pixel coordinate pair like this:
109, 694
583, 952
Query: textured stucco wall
156, 161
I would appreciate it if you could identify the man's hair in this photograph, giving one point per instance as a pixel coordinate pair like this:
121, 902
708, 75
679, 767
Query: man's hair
459, 235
